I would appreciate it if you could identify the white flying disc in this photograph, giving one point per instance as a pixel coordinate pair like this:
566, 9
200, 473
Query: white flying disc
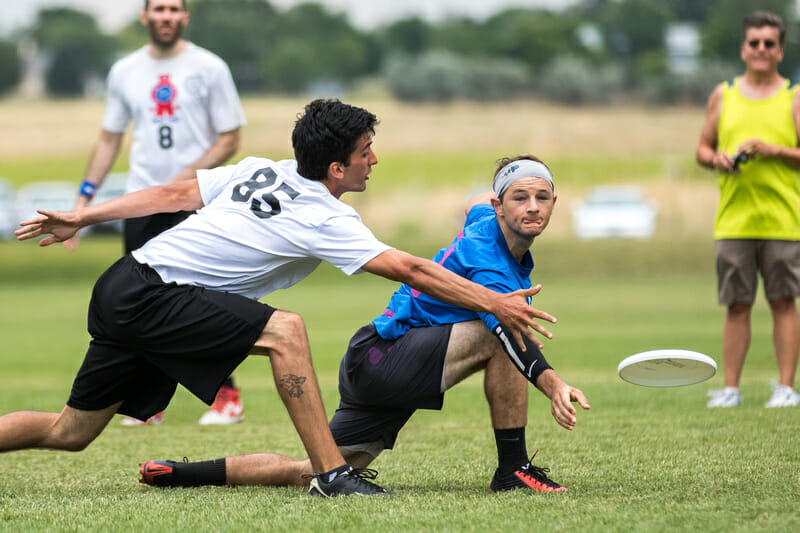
667, 368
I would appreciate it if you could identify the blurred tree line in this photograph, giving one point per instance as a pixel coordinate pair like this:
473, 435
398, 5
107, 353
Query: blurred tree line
593, 52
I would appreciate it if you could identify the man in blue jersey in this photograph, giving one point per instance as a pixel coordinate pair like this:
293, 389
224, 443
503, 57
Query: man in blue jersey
420, 347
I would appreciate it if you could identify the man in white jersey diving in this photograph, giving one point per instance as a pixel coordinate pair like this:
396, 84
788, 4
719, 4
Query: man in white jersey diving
186, 115
183, 308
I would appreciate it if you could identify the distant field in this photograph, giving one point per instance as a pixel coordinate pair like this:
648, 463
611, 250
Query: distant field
69, 128
431, 157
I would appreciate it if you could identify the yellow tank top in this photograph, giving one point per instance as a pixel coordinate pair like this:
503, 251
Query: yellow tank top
763, 200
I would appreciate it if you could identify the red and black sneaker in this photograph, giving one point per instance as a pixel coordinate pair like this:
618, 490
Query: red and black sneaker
525, 477
158, 473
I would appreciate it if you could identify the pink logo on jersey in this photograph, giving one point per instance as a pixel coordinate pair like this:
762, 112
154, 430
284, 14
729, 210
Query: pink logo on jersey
415, 292
164, 94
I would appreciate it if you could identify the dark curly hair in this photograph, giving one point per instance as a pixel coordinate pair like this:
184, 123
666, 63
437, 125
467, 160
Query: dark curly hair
327, 132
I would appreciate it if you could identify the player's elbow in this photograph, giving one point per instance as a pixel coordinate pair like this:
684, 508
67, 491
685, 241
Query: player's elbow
396, 266
699, 159
411, 270
179, 196
704, 156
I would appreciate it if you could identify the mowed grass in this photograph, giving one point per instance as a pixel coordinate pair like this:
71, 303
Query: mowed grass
641, 459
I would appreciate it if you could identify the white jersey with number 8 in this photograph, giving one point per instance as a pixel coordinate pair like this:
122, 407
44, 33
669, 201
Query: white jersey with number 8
179, 106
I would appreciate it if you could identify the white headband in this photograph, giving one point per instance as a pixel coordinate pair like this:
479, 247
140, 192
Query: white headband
524, 168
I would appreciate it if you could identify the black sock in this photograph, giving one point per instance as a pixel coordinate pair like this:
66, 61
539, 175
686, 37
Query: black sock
512, 452
200, 473
229, 383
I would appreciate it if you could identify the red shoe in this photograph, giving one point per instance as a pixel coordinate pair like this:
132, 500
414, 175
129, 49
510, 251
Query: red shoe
227, 408
525, 477
157, 473
152, 421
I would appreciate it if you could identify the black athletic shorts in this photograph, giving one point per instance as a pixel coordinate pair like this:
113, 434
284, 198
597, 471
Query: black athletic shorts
137, 231
148, 335
382, 382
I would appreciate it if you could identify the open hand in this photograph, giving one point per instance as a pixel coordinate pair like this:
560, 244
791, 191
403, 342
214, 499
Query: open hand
561, 405
518, 317
60, 225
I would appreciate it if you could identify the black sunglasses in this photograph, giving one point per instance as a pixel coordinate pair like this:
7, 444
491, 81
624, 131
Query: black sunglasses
768, 43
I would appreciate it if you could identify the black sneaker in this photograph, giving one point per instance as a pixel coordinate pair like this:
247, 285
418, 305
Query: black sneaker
157, 473
525, 477
352, 482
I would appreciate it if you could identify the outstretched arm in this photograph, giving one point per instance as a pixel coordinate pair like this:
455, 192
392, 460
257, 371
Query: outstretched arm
103, 156
61, 225
511, 309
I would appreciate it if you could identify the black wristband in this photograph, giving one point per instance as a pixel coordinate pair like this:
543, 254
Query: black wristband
531, 363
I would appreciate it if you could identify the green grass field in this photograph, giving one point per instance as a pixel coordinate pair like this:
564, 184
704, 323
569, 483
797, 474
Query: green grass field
641, 460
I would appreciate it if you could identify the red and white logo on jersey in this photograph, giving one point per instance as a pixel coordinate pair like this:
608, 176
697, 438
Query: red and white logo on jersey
164, 94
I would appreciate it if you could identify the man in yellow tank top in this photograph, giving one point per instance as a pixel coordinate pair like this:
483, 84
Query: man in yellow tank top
750, 136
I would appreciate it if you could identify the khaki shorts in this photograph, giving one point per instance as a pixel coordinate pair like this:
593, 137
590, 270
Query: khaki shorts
739, 261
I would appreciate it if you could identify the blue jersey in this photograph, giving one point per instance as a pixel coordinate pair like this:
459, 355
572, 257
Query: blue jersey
481, 255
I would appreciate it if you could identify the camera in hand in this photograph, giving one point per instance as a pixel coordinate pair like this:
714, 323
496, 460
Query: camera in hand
740, 158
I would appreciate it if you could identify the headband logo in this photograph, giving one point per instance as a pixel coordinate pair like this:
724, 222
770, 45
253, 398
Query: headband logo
509, 170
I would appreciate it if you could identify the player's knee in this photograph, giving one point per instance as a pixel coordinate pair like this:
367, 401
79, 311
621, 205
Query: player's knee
739, 308
295, 325
359, 459
782, 305
291, 337
361, 455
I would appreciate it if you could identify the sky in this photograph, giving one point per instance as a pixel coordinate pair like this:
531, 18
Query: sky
366, 14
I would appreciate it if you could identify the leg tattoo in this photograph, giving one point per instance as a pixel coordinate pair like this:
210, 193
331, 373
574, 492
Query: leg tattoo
293, 385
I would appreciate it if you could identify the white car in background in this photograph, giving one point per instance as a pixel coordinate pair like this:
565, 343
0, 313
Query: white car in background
8, 210
611, 211
52, 195
61, 196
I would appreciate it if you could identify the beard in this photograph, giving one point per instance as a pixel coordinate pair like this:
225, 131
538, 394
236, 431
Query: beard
164, 41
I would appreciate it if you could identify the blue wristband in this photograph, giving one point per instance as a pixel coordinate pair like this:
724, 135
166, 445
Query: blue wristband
87, 189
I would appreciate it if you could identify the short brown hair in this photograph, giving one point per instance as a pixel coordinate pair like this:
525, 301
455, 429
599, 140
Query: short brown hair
759, 19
